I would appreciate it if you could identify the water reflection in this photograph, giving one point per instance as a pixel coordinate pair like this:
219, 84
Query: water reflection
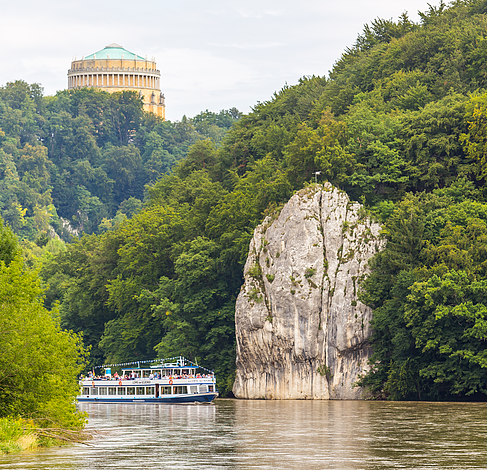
238, 434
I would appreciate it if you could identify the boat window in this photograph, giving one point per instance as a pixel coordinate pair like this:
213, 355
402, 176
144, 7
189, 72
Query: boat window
120, 391
86, 390
130, 390
193, 389
140, 390
94, 391
181, 389
203, 388
149, 390
210, 388
185, 372
166, 390
167, 372
146, 374
112, 390
157, 372
102, 390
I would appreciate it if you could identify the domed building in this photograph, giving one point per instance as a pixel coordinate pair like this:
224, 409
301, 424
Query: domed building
116, 69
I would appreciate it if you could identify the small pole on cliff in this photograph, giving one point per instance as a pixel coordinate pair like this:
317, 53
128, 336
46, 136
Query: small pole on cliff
316, 174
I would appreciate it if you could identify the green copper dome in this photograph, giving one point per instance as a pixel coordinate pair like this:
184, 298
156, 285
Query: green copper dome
114, 51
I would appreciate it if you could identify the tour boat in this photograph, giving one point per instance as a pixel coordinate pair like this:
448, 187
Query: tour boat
179, 381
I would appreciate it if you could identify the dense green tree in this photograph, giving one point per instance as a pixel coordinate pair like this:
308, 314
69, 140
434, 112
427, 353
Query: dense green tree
197, 310
101, 150
428, 292
39, 363
398, 124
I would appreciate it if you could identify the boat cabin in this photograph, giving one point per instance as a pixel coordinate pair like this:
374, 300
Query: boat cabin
174, 382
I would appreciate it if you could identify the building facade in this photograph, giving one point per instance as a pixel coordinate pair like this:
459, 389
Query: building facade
116, 69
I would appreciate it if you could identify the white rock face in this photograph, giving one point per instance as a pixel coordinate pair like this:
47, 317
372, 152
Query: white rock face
301, 332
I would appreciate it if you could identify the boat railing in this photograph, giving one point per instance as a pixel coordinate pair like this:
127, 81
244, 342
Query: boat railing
149, 379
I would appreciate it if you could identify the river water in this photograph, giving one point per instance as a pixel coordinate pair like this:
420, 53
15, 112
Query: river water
303, 435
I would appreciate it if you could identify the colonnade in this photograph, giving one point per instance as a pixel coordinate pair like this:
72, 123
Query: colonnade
113, 79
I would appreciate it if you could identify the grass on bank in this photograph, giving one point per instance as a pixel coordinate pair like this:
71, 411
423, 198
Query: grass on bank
17, 435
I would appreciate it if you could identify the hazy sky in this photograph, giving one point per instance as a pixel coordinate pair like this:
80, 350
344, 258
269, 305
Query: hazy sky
212, 54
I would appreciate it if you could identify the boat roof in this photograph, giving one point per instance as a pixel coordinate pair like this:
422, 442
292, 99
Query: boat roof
162, 366
157, 364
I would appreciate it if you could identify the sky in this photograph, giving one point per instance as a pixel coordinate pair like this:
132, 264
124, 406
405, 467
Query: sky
212, 54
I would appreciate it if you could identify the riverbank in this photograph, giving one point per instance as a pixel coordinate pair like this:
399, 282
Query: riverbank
17, 435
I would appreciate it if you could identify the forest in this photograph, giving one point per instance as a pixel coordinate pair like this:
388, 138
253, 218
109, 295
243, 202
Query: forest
139, 228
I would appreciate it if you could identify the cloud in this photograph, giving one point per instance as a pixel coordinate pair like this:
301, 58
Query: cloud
259, 15
215, 54
249, 46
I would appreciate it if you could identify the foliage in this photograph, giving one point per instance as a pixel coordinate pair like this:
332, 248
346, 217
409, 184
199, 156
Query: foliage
40, 362
428, 288
399, 124
16, 435
69, 161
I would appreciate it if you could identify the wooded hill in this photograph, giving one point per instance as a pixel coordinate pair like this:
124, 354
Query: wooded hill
400, 125
73, 162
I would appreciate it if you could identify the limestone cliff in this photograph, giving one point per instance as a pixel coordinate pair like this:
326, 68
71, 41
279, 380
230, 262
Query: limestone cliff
301, 332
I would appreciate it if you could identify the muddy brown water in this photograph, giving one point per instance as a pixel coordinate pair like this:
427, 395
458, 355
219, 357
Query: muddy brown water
245, 434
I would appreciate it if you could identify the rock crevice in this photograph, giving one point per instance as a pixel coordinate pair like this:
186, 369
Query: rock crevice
301, 331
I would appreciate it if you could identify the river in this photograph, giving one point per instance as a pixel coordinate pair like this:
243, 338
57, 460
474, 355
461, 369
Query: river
303, 435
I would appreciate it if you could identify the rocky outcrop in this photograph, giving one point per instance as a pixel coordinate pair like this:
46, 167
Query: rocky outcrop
301, 331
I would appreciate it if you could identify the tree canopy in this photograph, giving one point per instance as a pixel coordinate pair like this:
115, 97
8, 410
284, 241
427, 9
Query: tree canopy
40, 362
165, 211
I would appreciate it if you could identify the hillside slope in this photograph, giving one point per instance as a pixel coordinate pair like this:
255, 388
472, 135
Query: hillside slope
399, 125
